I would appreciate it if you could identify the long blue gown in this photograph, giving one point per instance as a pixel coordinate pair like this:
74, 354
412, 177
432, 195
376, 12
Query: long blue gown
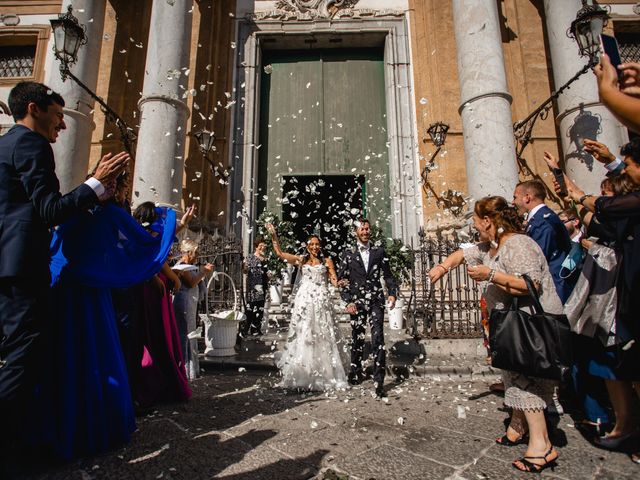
83, 405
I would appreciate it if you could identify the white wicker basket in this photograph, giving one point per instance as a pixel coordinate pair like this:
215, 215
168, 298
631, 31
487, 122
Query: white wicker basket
221, 328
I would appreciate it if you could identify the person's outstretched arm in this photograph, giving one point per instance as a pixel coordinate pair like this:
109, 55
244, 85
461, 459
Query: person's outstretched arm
626, 108
292, 259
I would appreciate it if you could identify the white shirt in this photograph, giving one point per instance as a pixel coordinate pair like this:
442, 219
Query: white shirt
613, 165
96, 186
533, 211
364, 250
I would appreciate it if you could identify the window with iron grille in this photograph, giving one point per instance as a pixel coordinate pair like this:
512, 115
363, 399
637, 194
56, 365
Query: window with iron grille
629, 45
17, 61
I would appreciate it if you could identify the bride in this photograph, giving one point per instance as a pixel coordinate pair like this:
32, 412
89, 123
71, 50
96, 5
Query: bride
311, 359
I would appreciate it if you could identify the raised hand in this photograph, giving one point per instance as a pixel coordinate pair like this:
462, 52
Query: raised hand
630, 82
552, 161
189, 213
208, 268
606, 75
110, 166
599, 151
270, 228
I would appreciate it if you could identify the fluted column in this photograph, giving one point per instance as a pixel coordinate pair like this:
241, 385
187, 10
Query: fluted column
581, 115
73, 146
485, 103
163, 112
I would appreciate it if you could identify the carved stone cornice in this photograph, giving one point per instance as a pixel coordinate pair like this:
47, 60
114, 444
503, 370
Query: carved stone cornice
316, 8
348, 13
306, 10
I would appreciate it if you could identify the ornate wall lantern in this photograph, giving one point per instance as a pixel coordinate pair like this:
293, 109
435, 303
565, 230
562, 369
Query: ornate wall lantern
68, 36
438, 133
205, 141
587, 28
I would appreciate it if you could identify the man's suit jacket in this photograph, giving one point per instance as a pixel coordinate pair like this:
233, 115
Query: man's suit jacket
365, 288
31, 203
548, 231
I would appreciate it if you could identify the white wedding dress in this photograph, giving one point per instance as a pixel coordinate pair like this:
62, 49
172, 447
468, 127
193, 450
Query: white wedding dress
314, 356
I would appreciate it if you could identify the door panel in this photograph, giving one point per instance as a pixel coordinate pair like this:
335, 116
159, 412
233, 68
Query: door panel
323, 113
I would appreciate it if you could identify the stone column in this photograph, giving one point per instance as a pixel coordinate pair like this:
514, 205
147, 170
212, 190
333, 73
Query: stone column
163, 111
485, 104
581, 115
73, 146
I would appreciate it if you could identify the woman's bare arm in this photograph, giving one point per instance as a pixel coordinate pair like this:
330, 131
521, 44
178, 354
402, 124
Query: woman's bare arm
333, 278
293, 259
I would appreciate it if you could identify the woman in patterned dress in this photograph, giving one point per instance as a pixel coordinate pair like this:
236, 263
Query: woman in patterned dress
498, 262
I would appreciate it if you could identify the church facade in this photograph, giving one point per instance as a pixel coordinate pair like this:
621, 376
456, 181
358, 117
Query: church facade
321, 108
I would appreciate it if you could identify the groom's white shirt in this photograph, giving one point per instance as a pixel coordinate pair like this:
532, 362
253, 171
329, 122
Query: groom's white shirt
364, 250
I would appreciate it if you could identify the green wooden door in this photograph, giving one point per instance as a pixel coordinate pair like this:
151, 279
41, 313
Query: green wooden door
323, 113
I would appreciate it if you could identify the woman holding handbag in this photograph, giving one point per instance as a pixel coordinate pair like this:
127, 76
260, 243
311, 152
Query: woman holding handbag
498, 262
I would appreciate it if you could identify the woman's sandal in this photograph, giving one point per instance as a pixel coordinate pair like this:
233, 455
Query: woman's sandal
507, 442
534, 467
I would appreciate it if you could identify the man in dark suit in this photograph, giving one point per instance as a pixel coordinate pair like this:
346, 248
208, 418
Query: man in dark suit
360, 272
545, 227
30, 204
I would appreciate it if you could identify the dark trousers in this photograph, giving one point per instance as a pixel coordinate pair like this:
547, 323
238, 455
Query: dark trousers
23, 307
374, 316
255, 313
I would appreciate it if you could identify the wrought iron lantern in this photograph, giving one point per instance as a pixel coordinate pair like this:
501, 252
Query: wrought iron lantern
438, 133
587, 28
205, 141
68, 36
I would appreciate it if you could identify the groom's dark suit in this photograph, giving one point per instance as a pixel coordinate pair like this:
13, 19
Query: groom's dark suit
30, 203
365, 291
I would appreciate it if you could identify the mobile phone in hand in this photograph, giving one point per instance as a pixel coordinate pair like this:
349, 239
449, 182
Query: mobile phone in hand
559, 176
609, 45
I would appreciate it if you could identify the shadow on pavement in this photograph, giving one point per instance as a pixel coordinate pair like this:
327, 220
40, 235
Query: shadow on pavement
192, 440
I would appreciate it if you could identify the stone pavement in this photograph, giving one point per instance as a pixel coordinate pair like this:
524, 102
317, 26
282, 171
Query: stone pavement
240, 426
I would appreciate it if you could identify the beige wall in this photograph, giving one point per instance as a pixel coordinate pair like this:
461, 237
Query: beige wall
528, 73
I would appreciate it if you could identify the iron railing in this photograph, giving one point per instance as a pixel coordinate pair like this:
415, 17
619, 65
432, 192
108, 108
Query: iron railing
226, 255
450, 308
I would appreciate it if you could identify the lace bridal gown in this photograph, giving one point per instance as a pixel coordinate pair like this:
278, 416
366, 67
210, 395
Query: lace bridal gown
313, 356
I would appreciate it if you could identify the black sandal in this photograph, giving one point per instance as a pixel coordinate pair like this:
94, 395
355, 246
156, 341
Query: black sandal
534, 467
507, 442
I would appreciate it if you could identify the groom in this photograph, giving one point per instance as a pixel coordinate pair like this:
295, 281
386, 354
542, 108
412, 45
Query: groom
360, 272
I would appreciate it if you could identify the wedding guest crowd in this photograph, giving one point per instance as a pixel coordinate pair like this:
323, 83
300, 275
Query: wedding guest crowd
88, 329
87, 284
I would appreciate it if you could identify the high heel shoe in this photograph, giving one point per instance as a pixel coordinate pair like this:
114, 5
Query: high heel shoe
507, 442
536, 467
613, 443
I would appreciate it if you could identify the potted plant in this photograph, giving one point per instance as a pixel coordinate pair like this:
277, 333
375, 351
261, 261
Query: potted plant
275, 265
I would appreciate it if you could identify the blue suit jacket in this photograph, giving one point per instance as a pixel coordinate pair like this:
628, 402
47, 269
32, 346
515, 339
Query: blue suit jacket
548, 231
31, 203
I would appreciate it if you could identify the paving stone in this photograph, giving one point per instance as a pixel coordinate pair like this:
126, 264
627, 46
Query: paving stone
433, 443
238, 426
268, 464
386, 462
606, 474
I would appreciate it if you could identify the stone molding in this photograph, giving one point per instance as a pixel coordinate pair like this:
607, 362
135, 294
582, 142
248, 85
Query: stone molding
506, 95
282, 14
403, 157
179, 104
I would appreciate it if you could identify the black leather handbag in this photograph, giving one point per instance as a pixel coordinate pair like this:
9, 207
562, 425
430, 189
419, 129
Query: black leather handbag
537, 345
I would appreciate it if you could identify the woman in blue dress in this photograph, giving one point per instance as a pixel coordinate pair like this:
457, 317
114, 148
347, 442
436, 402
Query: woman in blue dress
83, 403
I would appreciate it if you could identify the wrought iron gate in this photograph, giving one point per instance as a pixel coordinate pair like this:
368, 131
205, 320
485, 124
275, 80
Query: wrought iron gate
450, 308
